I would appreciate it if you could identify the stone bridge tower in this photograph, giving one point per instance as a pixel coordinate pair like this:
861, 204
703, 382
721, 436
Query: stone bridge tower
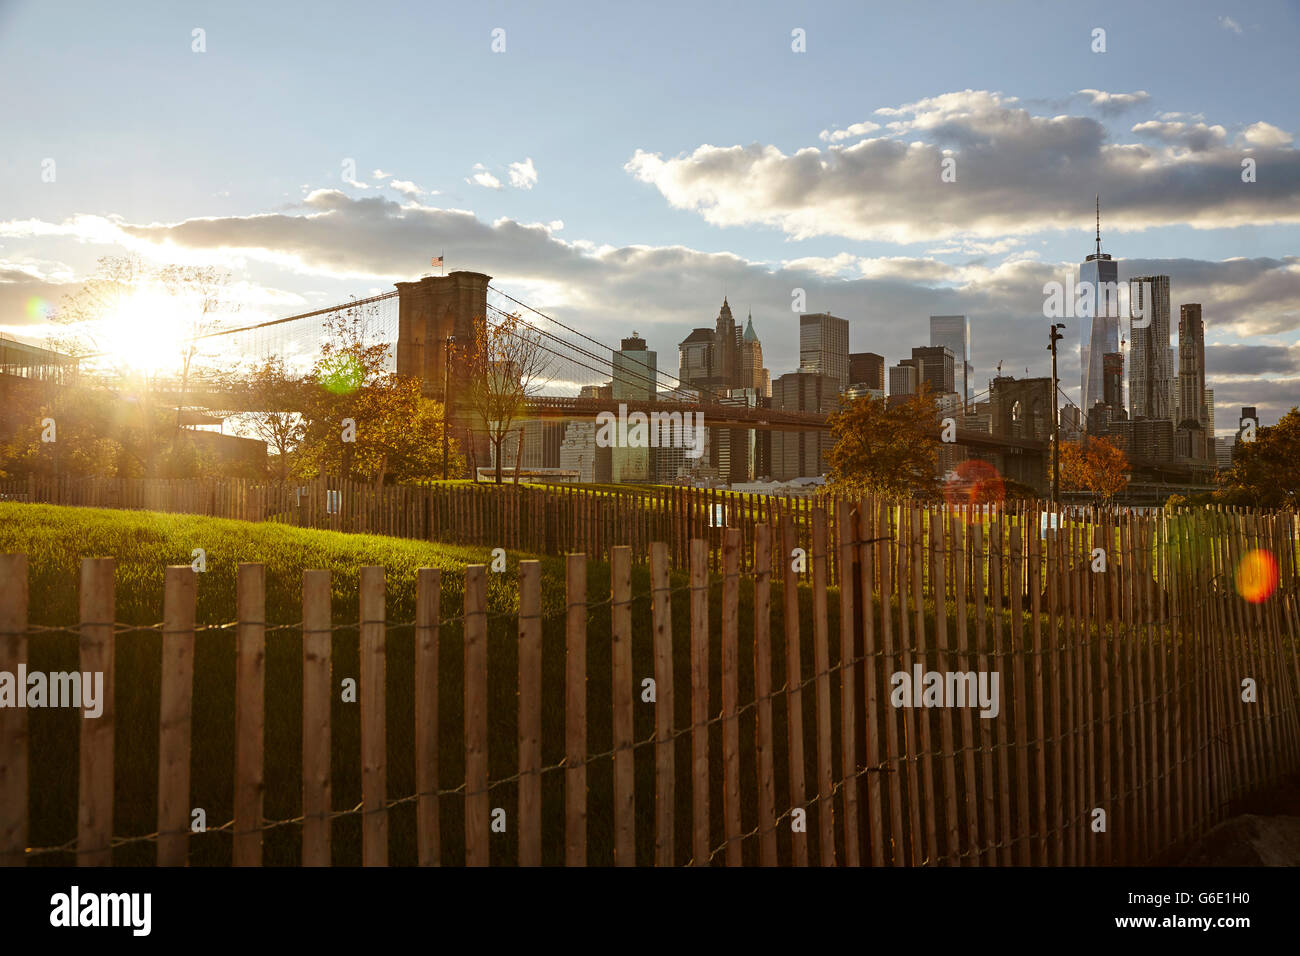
429, 310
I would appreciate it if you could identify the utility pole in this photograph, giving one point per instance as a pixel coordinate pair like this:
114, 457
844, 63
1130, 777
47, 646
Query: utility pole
1056, 336
446, 397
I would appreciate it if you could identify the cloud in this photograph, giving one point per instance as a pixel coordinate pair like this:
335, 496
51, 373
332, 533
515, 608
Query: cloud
375, 241
1230, 25
1111, 104
523, 175
1197, 137
482, 177
380, 174
1017, 173
850, 132
406, 188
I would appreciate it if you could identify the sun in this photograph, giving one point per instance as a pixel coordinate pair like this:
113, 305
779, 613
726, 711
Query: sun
144, 332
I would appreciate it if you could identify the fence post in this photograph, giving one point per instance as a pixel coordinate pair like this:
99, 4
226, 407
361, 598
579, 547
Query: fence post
821, 668
793, 681
316, 700
763, 693
530, 713
476, 738
13, 720
700, 700
250, 713
175, 696
575, 711
622, 700
665, 779
731, 693
95, 816
845, 537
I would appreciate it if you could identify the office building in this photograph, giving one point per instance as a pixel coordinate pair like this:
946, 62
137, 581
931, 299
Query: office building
903, 380
1098, 321
953, 331
752, 373
935, 368
1192, 418
635, 371
868, 369
802, 454
1151, 367
824, 347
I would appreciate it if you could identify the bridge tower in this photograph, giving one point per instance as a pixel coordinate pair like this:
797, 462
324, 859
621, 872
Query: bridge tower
429, 310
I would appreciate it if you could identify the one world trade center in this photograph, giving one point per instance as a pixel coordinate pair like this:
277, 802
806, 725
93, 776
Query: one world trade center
1098, 323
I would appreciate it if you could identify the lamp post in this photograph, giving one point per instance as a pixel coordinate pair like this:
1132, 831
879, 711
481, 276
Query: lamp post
446, 397
1056, 336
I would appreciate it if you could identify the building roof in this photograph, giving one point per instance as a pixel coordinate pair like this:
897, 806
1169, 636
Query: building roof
750, 334
699, 335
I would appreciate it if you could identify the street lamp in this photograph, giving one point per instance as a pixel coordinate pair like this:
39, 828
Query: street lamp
446, 397
1056, 416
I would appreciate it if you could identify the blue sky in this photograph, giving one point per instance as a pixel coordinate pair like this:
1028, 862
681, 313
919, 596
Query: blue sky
664, 152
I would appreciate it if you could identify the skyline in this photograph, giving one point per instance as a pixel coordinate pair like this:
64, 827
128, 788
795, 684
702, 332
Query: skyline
648, 216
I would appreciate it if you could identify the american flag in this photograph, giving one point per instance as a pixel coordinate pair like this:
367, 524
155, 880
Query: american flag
437, 260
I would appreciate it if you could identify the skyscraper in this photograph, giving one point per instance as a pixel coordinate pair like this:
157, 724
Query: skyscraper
903, 380
867, 368
954, 332
1191, 381
1151, 367
727, 350
634, 371
824, 347
1098, 323
752, 373
936, 368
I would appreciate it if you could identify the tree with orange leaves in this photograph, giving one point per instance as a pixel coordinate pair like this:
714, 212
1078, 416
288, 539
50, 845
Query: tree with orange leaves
1094, 465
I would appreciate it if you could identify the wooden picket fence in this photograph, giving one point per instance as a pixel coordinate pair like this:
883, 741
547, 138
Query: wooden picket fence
1124, 729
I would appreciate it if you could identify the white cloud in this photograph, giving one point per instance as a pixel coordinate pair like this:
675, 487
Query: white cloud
1017, 173
482, 177
380, 174
849, 132
406, 188
1230, 24
1114, 103
523, 175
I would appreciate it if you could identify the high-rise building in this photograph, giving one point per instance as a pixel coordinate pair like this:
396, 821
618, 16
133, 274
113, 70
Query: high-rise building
1098, 323
936, 368
1151, 367
802, 454
634, 380
727, 350
824, 347
954, 332
1112, 366
752, 373
695, 357
1209, 412
867, 368
904, 380
634, 371
1191, 381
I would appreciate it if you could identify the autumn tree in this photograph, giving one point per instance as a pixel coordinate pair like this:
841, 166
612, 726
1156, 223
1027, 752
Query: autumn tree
505, 363
886, 450
278, 400
1094, 465
362, 421
1266, 472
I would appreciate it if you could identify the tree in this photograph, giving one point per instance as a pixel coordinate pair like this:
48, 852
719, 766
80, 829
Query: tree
1094, 465
505, 362
884, 450
1266, 472
278, 400
364, 422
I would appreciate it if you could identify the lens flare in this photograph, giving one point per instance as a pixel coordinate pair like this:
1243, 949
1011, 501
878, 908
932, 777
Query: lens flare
976, 482
38, 310
1257, 576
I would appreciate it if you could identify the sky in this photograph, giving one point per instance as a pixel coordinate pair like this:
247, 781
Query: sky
622, 167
